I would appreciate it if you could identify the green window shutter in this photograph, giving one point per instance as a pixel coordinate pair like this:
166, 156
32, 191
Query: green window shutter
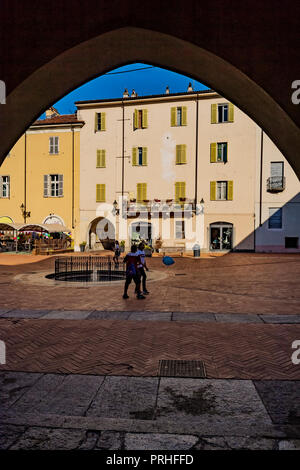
182, 189
100, 192
230, 190
184, 115
213, 153
226, 153
103, 159
178, 150
139, 192
103, 121
96, 122
231, 113
98, 163
177, 191
144, 155
145, 118
134, 156
144, 191
213, 187
183, 154
214, 108
173, 117
136, 122
101, 163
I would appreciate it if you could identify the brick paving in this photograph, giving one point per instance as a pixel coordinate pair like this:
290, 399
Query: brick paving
229, 350
234, 283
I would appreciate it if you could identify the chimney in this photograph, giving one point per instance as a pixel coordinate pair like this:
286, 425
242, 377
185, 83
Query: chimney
167, 90
133, 94
190, 88
51, 112
125, 94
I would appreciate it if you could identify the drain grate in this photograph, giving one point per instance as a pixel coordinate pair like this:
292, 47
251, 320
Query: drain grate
174, 368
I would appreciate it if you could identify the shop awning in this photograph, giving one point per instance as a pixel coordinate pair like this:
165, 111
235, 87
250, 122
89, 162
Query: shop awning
47, 228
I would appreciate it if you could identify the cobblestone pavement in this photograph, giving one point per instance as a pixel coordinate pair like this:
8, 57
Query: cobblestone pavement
58, 411
134, 348
234, 283
82, 363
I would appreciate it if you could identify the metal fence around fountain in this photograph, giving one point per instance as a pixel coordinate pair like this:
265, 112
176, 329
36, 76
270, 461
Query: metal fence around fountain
89, 269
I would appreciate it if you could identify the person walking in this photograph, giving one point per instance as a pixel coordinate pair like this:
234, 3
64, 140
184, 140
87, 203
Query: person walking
117, 252
142, 266
132, 261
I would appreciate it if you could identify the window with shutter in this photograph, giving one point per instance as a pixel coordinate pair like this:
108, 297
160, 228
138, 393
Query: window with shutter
184, 116
144, 156
100, 193
55, 183
134, 156
173, 117
46, 185
214, 113
180, 154
275, 217
222, 152
100, 122
229, 190
60, 185
213, 186
4, 186
53, 145
145, 118
141, 195
101, 160
179, 190
213, 152
222, 113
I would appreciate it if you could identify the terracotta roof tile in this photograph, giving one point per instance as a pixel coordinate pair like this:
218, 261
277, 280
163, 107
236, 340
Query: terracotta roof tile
61, 119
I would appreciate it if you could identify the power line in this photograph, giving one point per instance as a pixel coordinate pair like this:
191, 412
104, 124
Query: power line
132, 70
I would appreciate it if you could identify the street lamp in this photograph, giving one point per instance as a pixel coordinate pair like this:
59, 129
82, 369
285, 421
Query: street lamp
25, 213
116, 210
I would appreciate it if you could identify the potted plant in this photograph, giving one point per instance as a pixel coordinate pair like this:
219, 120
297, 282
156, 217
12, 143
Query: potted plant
82, 246
158, 244
148, 250
122, 246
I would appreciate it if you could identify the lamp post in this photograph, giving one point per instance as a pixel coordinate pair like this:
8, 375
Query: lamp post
25, 213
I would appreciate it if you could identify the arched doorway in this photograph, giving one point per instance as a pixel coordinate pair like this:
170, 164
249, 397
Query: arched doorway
141, 231
53, 219
220, 236
101, 234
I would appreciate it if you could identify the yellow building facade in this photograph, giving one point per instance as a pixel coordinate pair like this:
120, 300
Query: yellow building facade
40, 176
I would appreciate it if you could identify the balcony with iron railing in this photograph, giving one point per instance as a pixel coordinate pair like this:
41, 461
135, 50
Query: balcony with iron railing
275, 184
159, 205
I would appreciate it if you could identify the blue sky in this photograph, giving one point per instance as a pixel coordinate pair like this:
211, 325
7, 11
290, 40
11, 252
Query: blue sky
148, 80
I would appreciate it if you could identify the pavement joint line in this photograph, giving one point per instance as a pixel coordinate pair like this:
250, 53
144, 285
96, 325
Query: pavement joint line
127, 316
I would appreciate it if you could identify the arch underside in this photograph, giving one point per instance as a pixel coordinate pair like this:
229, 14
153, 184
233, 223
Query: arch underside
129, 44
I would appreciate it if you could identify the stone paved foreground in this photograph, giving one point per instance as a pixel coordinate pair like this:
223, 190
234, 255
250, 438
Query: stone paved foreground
58, 411
134, 348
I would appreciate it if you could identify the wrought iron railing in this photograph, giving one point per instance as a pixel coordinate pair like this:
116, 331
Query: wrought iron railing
89, 269
166, 205
276, 183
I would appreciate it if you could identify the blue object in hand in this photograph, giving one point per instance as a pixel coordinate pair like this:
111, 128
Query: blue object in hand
167, 260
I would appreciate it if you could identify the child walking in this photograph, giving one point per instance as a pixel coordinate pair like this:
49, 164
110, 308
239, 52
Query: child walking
142, 266
132, 261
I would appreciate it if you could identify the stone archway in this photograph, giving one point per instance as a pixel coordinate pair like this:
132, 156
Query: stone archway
77, 65
101, 234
